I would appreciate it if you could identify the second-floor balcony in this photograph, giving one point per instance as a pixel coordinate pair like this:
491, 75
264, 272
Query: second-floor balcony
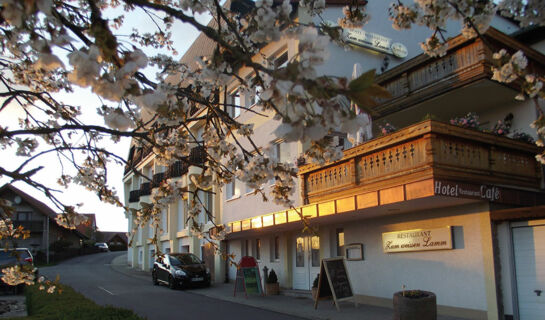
424, 151
145, 189
427, 165
157, 179
177, 169
197, 156
30, 225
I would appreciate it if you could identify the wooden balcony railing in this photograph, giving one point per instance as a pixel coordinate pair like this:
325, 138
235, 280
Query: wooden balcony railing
467, 61
429, 149
30, 225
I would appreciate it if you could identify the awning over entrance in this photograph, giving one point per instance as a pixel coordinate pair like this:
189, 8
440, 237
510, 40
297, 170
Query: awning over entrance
420, 195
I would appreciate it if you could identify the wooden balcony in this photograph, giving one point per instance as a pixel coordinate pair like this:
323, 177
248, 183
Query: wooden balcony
426, 151
468, 62
30, 225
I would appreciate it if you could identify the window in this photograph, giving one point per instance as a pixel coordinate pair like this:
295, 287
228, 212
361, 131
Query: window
181, 214
164, 221
248, 189
23, 216
276, 248
232, 190
234, 104
258, 249
300, 252
253, 97
340, 242
282, 151
281, 61
151, 257
207, 197
315, 251
245, 249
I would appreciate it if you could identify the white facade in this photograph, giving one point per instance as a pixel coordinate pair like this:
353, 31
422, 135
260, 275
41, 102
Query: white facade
480, 277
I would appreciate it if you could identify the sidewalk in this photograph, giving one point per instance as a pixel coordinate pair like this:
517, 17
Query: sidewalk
300, 305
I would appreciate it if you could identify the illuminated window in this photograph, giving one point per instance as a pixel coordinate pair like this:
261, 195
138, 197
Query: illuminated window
315, 251
300, 252
340, 242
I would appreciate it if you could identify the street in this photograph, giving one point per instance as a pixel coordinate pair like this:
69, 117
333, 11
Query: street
93, 276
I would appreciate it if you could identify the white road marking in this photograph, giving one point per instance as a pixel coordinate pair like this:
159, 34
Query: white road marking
106, 291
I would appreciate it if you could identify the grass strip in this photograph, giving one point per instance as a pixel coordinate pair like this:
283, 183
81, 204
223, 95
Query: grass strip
69, 305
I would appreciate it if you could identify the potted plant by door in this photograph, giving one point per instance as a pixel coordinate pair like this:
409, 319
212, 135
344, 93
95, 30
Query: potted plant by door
415, 305
271, 286
315, 287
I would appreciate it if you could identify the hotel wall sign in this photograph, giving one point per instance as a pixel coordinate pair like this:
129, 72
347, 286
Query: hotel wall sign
462, 190
417, 240
375, 42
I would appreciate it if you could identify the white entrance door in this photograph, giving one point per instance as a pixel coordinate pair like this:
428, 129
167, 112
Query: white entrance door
306, 262
529, 251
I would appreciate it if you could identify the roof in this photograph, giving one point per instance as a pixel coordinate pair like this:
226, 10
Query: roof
106, 236
37, 204
204, 46
530, 35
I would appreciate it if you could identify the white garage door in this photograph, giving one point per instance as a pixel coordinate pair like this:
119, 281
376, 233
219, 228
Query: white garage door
529, 249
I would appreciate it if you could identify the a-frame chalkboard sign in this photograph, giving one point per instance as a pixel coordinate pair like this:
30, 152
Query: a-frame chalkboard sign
248, 277
334, 282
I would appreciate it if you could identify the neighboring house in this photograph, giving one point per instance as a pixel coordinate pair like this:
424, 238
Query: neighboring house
39, 219
89, 227
431, 206
116, 240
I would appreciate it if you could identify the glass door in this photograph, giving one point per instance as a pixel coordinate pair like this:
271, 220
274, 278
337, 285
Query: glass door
306, 262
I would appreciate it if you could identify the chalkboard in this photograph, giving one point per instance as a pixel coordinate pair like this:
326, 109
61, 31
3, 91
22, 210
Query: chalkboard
338, 283
339, 278
252, 280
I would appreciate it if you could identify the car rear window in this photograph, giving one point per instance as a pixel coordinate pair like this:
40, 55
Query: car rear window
11, 256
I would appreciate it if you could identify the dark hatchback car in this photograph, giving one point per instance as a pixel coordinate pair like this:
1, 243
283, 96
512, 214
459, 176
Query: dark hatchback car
13, 257
180, 270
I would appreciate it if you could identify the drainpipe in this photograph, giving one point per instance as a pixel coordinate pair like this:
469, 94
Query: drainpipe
47, 240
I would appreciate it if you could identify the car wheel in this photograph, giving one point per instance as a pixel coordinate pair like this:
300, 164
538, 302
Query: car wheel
171, 283
154, 278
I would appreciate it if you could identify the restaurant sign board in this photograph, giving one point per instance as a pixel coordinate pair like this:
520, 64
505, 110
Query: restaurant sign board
375, 42
417, 240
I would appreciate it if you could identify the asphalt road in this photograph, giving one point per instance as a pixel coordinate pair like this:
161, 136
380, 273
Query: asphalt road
93, 276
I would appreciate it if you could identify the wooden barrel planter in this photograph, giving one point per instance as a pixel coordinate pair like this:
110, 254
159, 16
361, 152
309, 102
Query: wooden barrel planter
272, 289
415, 305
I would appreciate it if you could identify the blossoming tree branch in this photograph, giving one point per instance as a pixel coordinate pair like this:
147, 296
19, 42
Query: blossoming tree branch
52, 46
